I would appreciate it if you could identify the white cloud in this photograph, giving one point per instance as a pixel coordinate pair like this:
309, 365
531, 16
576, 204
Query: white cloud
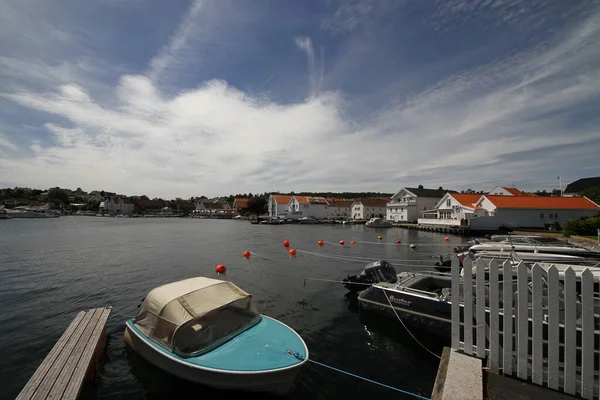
488, 124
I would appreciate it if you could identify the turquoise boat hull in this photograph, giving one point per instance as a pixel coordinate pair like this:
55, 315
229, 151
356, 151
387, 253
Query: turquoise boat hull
254, 360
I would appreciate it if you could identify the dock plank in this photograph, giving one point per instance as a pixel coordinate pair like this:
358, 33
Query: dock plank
50, 359
74, 387
60, 376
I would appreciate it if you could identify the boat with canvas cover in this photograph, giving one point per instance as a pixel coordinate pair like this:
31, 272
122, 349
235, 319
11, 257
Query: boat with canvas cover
208, 331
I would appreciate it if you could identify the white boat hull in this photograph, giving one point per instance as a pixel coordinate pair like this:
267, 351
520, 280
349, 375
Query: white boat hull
274, 381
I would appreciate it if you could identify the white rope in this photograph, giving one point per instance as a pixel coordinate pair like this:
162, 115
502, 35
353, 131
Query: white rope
407, 330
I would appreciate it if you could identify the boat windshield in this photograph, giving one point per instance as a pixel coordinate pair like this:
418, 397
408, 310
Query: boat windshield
210, 330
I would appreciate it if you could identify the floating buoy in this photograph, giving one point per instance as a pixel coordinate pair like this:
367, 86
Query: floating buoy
286, 243
320, 243
379, 237
342, 242
398, 241
353, 242
220, 269
292, 253
246, 254
412, 246
446, 239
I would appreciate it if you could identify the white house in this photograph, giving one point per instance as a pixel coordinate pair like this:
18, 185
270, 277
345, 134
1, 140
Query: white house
115, 205
278, 204
408, 203
369, 208
453, 209
308, 206
339, 209
531, 211
505, 191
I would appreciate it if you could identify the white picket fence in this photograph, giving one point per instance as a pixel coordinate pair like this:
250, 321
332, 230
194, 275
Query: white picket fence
550, 338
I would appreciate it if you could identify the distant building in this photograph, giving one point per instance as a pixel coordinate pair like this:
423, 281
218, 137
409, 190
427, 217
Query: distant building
308, 206
240, 204
454, 209
339, 208
369, 208
278, 204
408, 203
116, 205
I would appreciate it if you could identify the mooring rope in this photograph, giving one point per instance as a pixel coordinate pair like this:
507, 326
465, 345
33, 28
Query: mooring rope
405, 327
301, 358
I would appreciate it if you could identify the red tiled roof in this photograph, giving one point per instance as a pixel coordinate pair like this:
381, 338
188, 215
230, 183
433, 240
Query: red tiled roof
577, 203
513, 191
241, 202
373, 202
307, 200
466, 199
281, 198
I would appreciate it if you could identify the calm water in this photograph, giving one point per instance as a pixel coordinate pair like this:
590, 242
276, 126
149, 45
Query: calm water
50, 269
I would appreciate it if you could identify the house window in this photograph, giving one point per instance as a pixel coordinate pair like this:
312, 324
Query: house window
448, 202
541, 215
556, 216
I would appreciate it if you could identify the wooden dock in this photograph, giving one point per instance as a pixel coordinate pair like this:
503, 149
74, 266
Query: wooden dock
72, 360
454, 230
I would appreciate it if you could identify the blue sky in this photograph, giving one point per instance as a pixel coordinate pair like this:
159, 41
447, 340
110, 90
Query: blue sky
186, 98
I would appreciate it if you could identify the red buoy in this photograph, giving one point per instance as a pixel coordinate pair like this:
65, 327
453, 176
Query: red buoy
398, 241
320, 243
220, 269
446, 239
292, 253
353, 242
286, 243
246, 254
342, 243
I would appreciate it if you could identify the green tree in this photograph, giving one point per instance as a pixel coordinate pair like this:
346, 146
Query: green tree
593, 194
57, 193
257, 205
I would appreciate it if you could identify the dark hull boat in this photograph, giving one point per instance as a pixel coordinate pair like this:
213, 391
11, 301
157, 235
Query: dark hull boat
422, 300
375, 272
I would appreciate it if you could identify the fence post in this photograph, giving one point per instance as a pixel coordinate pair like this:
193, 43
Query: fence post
553, 328
537, 336
507, 321
494, 311
587, 334
455, 306
522, 321
480, 308
570, 337
468, 304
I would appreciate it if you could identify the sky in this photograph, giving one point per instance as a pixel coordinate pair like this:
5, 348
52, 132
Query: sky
189, 98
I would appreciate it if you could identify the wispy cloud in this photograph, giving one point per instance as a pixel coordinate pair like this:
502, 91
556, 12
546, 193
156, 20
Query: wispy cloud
528, 113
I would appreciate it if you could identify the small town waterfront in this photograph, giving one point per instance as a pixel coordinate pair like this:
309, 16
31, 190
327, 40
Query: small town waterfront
52, 268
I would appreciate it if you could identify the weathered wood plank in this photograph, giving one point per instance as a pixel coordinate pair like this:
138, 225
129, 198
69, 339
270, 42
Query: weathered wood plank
61, 374
553, 328
468, 296
455, 306
587, 332
570, 331
522, 320
82, 342
507, 333
45, 366
50, 379
537, 335
480, 307
74, 387
494, 313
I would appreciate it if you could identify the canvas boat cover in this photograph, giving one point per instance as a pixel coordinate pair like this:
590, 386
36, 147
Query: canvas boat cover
170, 306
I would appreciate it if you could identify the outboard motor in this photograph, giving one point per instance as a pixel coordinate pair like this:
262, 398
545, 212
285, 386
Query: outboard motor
375, 272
